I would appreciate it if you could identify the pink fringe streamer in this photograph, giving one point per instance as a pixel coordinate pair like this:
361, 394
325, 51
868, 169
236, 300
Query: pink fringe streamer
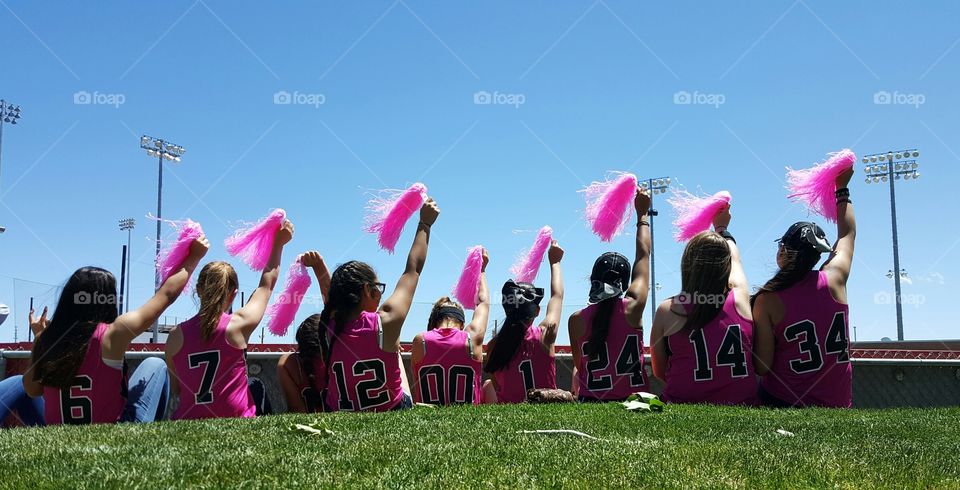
528, 265
610, 205
815, 186
388, 213
254, 244
172, 258
468, 286
285, 308
695, 214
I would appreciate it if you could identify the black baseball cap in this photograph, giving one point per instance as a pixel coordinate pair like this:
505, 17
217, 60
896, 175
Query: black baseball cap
610, 277
805, 235
520, 299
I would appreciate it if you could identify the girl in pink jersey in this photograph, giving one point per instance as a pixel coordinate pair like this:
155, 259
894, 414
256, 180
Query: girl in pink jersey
77, 363
302, 374
446, 359
207, 352
362, 348
607, 337
521, 355
702, 338
803, 318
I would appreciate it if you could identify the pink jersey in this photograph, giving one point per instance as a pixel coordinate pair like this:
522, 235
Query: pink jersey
531, 367
96, 394
212, 374
448, 372
617, 370
299, 375
713, 364
811, 360
363, 377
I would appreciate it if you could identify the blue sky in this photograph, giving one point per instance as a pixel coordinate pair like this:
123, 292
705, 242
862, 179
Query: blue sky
586, 87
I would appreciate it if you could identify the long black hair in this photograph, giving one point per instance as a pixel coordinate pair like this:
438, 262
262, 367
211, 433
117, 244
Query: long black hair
346, 291
88, 299
310, 347
802, 245
609, 279
520, 302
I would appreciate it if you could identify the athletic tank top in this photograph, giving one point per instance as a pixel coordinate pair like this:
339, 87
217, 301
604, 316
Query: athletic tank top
713, 364
96, 394
617, 370
212, 374
448, 372
300, 377
531, 367
362, 376
811, 359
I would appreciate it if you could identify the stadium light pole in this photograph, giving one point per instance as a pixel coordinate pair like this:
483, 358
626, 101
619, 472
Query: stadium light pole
163, 150
8, 114
127, 224
657, 185
893, 166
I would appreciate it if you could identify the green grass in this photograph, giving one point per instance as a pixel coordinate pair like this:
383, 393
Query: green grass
480, 447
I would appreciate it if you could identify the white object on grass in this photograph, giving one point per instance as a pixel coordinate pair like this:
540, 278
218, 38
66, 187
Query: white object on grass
558, 431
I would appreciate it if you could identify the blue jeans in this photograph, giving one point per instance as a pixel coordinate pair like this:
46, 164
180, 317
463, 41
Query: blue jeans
13, 398
149, 390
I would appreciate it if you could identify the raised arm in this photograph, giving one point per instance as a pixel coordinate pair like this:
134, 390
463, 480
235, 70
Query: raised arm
37, 326
640, 281
841, 259
551, 322
314, 260
129, 325
245, 321
394, 310
738, 278
481, 314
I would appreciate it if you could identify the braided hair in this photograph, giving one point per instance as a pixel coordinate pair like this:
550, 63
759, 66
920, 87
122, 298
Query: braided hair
346, 292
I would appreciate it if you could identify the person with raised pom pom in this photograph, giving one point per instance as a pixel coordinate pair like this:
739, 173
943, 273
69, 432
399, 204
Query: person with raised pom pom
361, 345
607, 337
521, 356
447, 358
702, 338
207, 352
802, 316
77, 363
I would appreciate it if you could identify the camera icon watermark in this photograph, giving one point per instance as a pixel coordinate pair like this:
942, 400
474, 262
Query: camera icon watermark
499, 98
910, 299
299, 98
94, 298
899, 98
96, 98
698, 298
699, 98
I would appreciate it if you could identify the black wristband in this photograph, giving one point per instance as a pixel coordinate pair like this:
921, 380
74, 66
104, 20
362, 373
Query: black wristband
844, 199
843, 192
642, 223
726, 235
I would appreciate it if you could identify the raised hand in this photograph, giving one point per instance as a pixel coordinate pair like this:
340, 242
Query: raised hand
722, 220
285, 232
642, 202
429, 212
199, 247
38, 325
555, 254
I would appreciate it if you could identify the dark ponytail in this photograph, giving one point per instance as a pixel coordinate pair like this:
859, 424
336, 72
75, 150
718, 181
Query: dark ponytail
798, 265
309, 347
600, 326
508, 343
346, 291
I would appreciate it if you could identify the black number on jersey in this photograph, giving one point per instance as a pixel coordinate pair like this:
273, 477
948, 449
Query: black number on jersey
526, 370
77, 409
730, 353
447, 384
806, 332
370, 392
629, 363
209, 361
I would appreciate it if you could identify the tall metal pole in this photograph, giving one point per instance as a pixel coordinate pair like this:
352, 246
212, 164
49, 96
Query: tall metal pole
126, 292
896, 246
123, 279
156, 280
653, 269
1, 141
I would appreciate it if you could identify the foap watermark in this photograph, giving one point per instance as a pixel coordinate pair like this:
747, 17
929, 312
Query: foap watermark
899, 98
94, 298
910, 299
299, 98
697, 298
499, 98
97, 98
699, 98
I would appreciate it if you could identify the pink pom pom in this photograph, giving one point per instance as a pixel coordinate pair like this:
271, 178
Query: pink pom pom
815, 186
695, 214
610, 205
528, 264
388, 213
468, 286
254, 244
284, 309
172, 258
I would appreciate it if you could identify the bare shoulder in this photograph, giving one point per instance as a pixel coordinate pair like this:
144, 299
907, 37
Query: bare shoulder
174, 341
